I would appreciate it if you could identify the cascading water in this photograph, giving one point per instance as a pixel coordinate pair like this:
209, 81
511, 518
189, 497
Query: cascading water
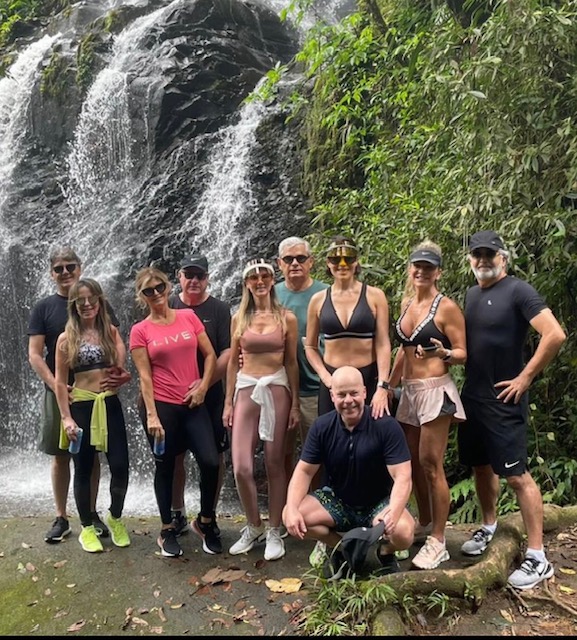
123, 207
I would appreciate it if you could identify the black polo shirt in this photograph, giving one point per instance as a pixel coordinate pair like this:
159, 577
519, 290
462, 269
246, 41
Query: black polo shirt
355, 462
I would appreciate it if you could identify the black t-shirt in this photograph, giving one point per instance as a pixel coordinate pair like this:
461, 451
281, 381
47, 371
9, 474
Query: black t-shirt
48, 318
355, 462
215, 316
497, 321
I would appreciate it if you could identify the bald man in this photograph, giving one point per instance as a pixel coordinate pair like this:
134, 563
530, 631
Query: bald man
368, 470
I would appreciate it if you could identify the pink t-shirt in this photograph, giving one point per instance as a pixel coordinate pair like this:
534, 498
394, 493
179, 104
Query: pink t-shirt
172, 350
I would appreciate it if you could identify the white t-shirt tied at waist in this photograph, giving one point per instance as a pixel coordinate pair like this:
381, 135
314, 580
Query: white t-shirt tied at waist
262, 395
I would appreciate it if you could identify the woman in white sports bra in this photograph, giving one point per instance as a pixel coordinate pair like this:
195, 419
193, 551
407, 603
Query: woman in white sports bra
431, 330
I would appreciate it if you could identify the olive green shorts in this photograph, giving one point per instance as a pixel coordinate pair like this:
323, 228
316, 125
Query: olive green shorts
50, 432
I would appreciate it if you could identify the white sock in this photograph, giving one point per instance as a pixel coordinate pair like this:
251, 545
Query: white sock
538, 554
491, 528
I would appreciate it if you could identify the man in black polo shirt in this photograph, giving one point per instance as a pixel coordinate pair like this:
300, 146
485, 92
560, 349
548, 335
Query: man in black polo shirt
368, 471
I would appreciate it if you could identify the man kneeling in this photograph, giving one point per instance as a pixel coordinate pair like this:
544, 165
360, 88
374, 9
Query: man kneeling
368, 472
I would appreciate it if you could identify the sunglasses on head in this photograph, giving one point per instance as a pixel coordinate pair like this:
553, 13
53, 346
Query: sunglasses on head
91, 300
300, 259
264, 276
150, 291
191, 274
336, 260
71, 268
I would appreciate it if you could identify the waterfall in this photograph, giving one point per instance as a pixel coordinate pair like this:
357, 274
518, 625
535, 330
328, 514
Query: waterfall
118, 211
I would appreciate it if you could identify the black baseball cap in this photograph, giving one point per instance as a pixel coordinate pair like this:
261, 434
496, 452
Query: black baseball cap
426, 255
198, 261
485, 240
355, 544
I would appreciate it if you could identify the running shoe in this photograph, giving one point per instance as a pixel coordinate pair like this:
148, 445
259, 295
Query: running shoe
89, 540
60, 529
211, 543
250, 535
274, 549
431, 554
531, 573
118, 531
477, 543
101, 528
168, 544
180, 523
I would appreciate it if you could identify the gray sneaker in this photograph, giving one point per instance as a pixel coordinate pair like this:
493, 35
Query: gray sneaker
478, 542
531, 573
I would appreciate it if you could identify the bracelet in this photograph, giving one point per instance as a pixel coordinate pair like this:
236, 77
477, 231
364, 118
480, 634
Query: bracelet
310, 346
447, 356
382, 384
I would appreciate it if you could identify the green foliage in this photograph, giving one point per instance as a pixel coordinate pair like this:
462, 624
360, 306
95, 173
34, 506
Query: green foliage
419, 127
85, 61
16, 12
53, 81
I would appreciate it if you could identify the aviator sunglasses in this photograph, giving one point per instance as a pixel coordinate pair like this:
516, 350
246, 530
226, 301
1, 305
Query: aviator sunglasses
300, 259
336, 260
158, 288
91, 300
71, 268
265, 276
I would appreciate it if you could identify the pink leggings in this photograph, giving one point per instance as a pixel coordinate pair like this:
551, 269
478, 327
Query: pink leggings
243, 448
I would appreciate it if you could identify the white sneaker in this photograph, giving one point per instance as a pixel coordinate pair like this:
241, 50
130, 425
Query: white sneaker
274, 544
318, 555
531, 573
431, 554
250, 536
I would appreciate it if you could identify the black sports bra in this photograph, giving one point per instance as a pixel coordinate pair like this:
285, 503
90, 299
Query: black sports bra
425, 330
361, 325
90, 356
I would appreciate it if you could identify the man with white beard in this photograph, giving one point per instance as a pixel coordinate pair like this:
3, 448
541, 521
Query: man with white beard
493, 441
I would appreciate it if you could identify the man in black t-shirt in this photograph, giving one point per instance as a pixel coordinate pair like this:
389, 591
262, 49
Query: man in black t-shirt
368, 471
493, 441
193, 277
47, 321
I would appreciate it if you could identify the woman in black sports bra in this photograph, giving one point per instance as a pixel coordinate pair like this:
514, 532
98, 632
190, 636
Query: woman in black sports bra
92, 348
353, 319
431, 330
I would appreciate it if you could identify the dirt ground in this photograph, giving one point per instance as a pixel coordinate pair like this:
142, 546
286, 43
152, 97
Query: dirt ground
61, 590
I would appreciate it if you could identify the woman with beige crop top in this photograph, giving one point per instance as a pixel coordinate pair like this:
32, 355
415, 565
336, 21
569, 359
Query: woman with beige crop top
431, 330
262, 401
92, 349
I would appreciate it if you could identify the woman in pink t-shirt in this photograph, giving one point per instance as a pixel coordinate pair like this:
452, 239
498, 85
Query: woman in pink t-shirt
164, 349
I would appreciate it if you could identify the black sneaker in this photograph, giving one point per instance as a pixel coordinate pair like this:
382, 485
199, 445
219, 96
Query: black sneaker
168, 544
180, 523
335, 566
389, 563
99, 526
211, 542
60, 529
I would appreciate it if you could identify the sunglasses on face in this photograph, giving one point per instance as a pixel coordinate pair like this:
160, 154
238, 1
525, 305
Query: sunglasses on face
190, 274
82, 302
71, 268
265, 276
480, 253
300, 259
336, 260
150, 291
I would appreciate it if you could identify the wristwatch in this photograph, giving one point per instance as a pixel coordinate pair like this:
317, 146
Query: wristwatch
381, 384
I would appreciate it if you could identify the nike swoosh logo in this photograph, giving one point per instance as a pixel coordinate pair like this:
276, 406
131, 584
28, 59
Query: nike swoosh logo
508, 465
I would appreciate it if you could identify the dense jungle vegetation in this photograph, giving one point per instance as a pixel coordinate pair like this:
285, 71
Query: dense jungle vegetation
435, 120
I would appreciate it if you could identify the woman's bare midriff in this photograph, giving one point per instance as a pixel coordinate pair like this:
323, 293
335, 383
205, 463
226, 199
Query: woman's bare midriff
262, 364
356, 352
90, 380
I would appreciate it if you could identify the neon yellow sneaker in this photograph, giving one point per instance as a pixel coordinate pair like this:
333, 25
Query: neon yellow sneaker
118, 531
89, 540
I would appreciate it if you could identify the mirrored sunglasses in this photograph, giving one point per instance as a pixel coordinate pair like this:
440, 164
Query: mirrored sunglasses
483, 253
150, 291
336, 260
191, 274
82, 302
71, 268
300, 259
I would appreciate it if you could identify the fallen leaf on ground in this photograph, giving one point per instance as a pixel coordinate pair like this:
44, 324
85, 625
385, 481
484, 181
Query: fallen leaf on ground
136, 620
157, 630
178, 605
161, 614
71, 585
76, 626
216, 575
507, 615
26, 546
59, 564
286, 585
569, 572
565, 589
30, 567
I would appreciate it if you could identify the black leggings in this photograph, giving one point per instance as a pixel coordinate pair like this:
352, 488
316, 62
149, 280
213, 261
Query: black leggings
184, 429
117, 456
369, 374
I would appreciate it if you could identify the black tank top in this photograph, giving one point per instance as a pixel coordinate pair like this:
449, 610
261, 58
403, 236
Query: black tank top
425, 330
362, 323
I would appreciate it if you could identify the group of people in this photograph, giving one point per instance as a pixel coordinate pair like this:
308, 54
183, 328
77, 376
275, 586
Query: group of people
300, 359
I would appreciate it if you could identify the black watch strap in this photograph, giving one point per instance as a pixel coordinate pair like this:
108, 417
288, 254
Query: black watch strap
383, 385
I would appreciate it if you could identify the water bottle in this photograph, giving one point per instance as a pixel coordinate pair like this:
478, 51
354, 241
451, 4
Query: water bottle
158, 445
74, 446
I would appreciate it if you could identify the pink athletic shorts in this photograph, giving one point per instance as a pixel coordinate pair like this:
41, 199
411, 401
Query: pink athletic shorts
426, 399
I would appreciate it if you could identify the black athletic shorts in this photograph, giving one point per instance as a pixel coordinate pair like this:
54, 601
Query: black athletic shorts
494, 433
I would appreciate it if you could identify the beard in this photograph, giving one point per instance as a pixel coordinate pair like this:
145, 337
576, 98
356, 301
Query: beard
491, 274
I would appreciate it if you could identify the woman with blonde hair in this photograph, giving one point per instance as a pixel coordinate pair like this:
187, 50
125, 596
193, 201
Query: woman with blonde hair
262, 401
92, 348
164, 348
431, 330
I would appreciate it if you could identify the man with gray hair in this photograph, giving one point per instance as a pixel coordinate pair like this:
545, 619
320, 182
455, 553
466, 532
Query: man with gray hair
493, 441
